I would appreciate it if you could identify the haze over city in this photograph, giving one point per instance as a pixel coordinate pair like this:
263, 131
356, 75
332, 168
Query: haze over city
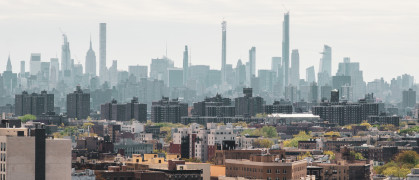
381, 35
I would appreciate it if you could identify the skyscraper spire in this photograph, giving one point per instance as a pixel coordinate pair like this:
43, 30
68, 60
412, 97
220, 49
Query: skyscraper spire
9, 64
90, 41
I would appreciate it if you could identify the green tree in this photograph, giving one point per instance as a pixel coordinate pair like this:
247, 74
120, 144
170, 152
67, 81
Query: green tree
27, 117
331, 154
301, 136
262, 143
357, 155
407, 157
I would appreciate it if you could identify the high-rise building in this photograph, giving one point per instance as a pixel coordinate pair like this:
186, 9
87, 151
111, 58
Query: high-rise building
252, 61
325, 92
78, 104
138, 71
175, 77
266, 80
102, 51
90, 61
248, 105
167, 110
325, 69
326, 60
286, 47
348, 68
65, 55
124, 112
409, 98
22, 68
54, 72
185, 65
240, 76
295, 67
35, 63
35, 104
223, 50
9, 65
113, 73
275, 64
310, 74
158, 68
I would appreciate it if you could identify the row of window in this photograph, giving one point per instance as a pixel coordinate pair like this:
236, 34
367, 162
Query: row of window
2, 167
277, 171
2, 157
3, 146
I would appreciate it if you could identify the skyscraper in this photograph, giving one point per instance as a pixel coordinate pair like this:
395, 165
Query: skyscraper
252, 61
325, 69
102, 50
65, 55
185, 65
310, 74
286, 47
275, 64
22, 68
223, 50
295, 67
90, 61
54, 72
409, 98
9, 65
35, 63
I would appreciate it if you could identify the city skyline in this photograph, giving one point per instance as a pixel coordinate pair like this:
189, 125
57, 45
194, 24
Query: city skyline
205, 40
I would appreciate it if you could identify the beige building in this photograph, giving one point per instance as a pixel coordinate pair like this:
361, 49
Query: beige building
23, 158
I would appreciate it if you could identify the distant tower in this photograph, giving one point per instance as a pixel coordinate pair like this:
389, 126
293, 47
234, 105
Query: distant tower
286, 47
102, 50
185, 65
252, 61
22, 68
65, 55
9, 65
295, 67
326, 60
90, 61
223, 49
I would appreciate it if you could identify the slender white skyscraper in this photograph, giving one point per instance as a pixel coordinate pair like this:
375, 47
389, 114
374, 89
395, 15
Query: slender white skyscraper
252, 61
286, 47
65, 55
90, 61
102, 51
185, 65
223, 51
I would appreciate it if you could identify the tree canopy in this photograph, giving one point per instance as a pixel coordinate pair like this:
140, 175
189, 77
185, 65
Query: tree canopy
301, 136
27, 117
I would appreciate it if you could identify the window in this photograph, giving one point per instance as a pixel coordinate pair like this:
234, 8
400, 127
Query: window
269, 178
269, 170
278, 171
285, 171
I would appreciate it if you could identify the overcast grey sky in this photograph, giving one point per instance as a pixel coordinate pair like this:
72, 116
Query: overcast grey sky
382, 35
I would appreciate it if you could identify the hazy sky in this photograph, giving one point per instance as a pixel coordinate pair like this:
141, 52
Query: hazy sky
382, 35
